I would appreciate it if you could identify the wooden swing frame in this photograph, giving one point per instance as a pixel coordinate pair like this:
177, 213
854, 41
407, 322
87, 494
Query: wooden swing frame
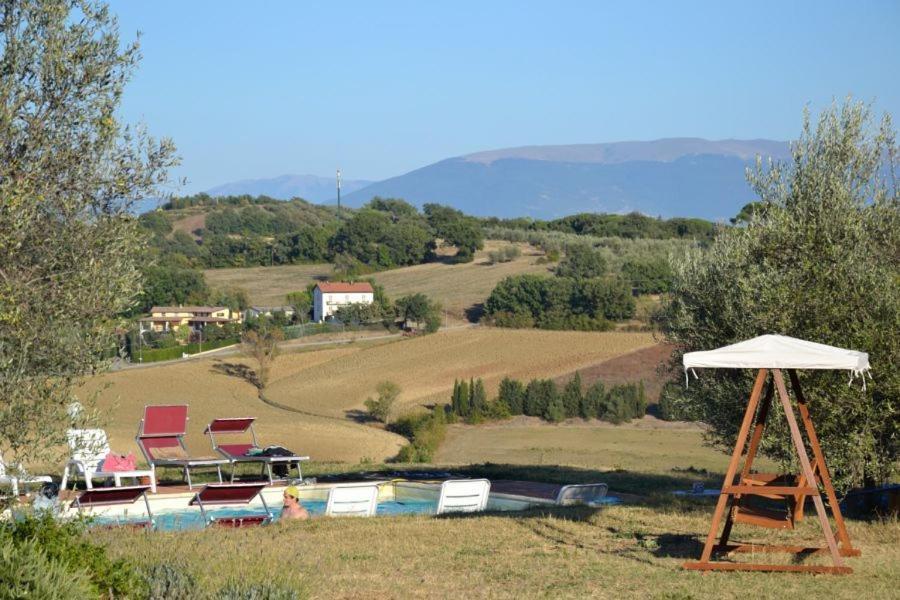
773, 487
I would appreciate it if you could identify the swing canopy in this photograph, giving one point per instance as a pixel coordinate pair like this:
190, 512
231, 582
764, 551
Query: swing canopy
778, 352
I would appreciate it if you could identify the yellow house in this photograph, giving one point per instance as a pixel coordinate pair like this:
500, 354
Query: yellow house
169, 318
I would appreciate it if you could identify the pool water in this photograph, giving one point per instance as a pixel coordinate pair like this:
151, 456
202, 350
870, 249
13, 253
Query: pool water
191, 518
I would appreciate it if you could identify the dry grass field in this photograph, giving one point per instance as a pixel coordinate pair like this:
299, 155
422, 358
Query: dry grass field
457, 287
329, 386
644, 445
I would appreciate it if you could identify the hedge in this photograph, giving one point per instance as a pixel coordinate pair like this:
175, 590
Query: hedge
176, 351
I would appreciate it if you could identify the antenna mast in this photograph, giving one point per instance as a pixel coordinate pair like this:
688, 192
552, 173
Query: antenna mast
339, 191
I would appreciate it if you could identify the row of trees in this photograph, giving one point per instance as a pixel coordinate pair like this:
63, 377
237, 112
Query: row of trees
542, 398
631, 226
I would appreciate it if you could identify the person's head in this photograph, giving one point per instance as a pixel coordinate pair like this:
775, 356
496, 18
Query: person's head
291, 495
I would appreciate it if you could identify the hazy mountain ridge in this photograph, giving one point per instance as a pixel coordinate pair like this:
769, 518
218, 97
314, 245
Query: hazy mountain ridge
688, 177
284, 187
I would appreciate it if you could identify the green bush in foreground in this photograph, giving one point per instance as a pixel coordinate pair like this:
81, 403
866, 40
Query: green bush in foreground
66, 552
27, 572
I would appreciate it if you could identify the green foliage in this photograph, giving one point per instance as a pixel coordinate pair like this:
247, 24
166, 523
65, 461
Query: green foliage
648, 276
65, 550
622, 403
504, 255
572, 396
27, 572
302, 303
425, 431
591, 401
380, 407
540, 394
582, 262
512, 395
375, 239
417, 308
70, 250
456, 229
167, 582
177, 350
170, 285
630, 226
821, 263
156, 222
559, 302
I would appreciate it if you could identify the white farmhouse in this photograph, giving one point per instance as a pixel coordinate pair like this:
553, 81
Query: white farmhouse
329, 296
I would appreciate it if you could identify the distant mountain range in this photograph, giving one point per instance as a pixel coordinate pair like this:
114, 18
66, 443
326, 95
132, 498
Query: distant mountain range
689, 177
285, 187
669, 177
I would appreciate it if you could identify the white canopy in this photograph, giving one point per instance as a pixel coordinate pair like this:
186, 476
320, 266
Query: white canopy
778, 352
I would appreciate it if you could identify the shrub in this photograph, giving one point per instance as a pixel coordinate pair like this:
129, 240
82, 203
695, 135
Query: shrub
572, 396
64, 544
27, 572
165, 582
257, 591
425, 431
380, 407
590, 402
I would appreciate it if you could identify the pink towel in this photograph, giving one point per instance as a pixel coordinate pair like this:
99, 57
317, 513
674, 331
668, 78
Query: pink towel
119, 462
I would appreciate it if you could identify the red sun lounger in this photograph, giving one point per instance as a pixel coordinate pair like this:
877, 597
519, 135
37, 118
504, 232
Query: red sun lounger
116, 496
235, 494
238, 452
161, 440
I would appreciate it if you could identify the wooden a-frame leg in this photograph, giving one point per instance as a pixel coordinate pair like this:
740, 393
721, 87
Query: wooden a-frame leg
847, 548
755, 438
732, 465
807, 468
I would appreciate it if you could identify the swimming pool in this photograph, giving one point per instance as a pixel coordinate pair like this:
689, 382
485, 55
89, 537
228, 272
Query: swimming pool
172, 512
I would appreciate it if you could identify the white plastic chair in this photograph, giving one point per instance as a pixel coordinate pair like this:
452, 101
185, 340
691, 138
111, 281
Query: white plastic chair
89, 448
352, 500
463, 495
582, 493
13, 481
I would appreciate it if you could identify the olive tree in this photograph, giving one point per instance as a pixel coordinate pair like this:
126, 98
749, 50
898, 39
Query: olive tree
819, 259
69, 172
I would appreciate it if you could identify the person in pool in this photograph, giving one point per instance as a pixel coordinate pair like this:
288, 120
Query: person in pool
292, 508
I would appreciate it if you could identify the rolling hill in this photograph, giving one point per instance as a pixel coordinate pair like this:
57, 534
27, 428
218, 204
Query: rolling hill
687, 177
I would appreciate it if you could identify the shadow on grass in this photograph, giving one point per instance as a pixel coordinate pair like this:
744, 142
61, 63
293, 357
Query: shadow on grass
652, 488
239, 370
475, 312
360, 416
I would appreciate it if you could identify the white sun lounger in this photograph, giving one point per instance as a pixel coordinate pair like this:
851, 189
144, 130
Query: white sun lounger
24, 479
352, 500
463, 495
582, 493
89, 448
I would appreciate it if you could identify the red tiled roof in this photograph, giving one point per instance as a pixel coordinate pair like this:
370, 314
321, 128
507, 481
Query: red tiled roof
344, 287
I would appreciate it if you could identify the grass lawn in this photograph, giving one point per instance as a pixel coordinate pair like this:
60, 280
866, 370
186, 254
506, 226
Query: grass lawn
456, 287
633, 550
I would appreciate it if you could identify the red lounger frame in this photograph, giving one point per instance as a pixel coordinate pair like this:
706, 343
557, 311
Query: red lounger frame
116, 496
164, 426
236, 453
237, 494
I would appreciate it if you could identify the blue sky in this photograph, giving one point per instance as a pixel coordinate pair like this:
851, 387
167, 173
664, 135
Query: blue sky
259, 89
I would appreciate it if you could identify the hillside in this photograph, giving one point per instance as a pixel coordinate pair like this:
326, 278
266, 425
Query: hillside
670, 177
329, 386
457, 287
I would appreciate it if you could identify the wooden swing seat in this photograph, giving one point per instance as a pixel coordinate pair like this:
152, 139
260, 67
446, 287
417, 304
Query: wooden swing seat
792, 490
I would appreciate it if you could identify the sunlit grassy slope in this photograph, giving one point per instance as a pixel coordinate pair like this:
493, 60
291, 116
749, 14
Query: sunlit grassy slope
330, 385
456, 287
